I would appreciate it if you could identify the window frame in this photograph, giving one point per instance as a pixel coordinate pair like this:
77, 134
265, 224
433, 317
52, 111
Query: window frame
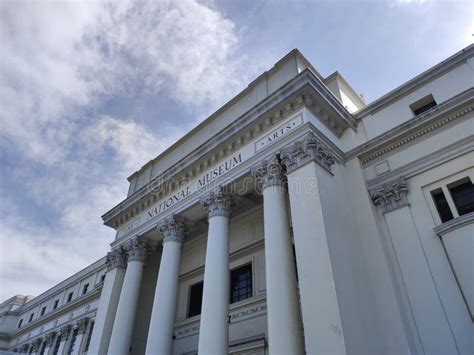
189, 298
443, 184
244, 265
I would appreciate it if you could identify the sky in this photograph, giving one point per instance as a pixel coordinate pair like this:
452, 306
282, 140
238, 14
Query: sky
92, 90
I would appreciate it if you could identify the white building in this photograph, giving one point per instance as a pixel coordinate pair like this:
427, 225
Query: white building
296, 219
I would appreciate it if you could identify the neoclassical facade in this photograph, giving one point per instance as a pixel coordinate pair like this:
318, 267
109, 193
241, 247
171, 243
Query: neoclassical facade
297, 219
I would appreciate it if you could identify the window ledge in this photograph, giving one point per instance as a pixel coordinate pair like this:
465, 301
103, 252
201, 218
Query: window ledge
454, 224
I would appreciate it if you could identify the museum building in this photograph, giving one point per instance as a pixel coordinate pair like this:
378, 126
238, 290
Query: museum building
297, 219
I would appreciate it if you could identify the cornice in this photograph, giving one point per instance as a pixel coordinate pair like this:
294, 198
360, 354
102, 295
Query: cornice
454, 224
305, 90
413, 129
418, 81
431, 161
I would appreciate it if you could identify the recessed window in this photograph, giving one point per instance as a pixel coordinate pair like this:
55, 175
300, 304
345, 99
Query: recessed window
20, 323
442, 205
102, 278
89, 336
69, 297
43, 311
423, 105
31, 317
241, 283
462, 193
85, 288
195, 299
56, 303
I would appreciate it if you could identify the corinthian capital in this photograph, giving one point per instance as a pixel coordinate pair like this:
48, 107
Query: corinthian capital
219, 203
391, 195
270, 172
116, 259
81, 325
49, 338
173, 228
138, 249
310, 148
64, 331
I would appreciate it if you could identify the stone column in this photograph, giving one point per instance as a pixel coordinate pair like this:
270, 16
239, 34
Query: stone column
285, 334
138, 251
81, 326
160, 333
48, 343
64, 332
320, 310
214, 327
109, 298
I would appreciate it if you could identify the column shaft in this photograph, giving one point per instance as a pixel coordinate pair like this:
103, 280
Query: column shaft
285, 334
122, 331
214, 328
109, 299
160, 334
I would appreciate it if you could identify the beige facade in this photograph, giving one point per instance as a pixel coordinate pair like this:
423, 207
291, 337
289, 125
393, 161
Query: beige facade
318, 224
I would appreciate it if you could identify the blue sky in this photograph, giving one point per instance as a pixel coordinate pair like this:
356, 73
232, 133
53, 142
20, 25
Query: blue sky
90, 91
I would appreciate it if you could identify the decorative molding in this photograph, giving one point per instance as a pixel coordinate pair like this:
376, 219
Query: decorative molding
454, 224
310, 148
270, 172
35, 344
116, 258
81, 325
390, 196
418, 125
219, 203
173, 229
49, 338
138, 249
64, 331
247, 313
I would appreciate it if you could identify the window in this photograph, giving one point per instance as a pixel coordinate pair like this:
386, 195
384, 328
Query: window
462, 193
43, 310
241, 283
69, 297
31, 317
442, 205
195, 299
102, 278
72, 342
55, 305
84, 289
454, 199
423, 105
20, 323
89, 337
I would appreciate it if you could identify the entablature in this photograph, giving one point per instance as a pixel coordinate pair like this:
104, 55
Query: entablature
445, 113
304, 91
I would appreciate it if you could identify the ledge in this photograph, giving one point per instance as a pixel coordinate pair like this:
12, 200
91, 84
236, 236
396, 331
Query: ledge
454, 224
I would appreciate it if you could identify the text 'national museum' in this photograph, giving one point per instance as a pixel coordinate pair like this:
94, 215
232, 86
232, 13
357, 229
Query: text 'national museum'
297, 219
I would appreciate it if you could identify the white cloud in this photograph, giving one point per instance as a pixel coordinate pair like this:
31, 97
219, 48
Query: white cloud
60, 61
